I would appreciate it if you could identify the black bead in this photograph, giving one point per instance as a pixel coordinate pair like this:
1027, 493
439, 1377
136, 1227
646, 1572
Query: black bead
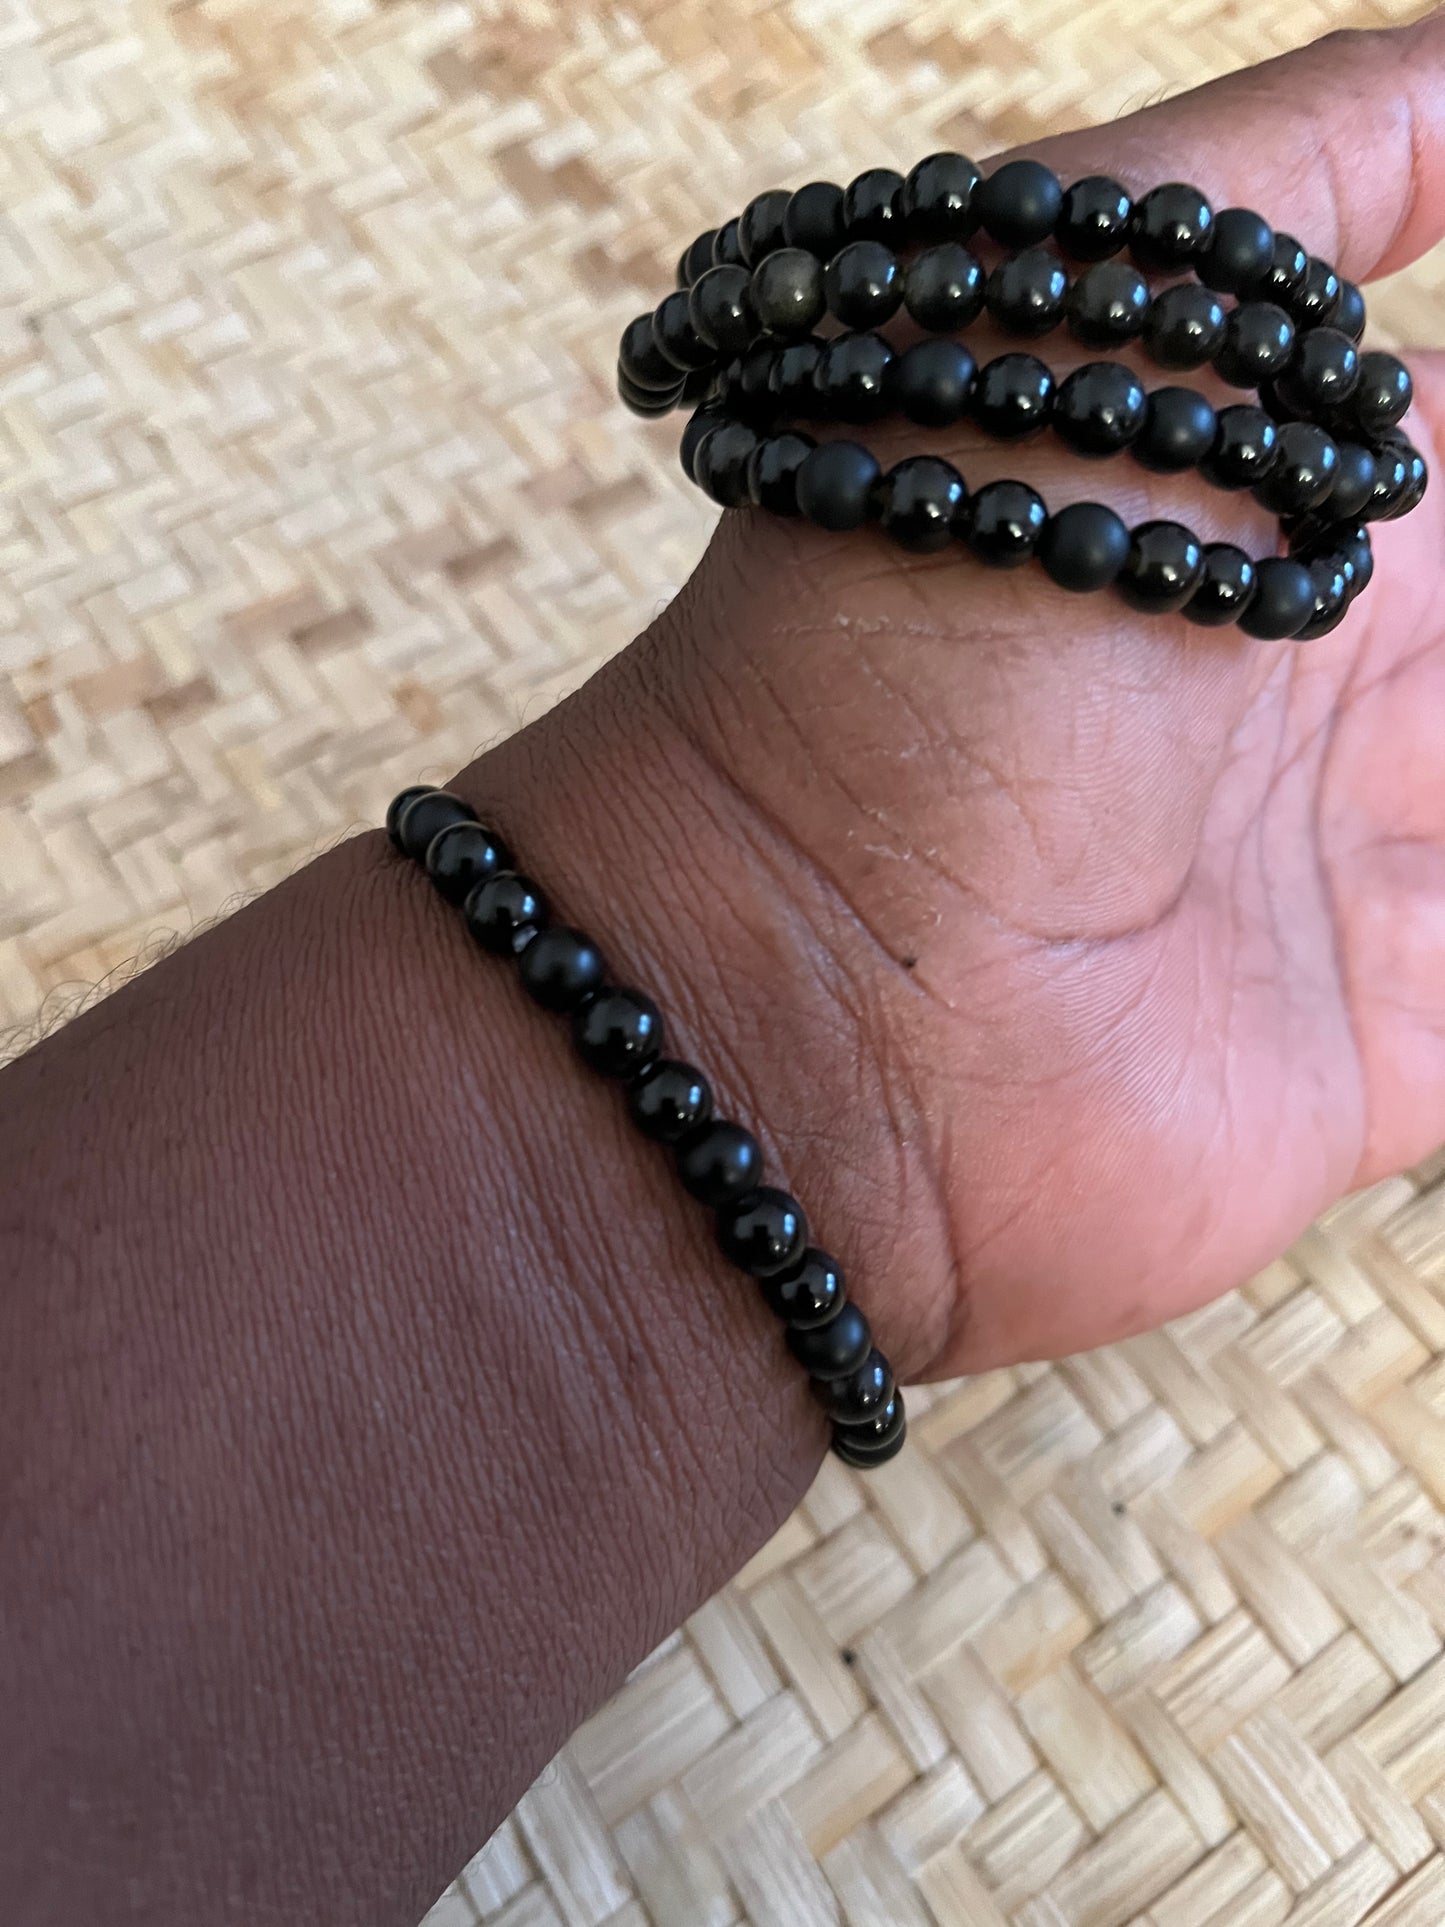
650, 403
1323, 373
863, 284
1004, 522
1314, 301
919, 501
699, 424
1416, 485
863, 1396
1331, 576
1258, 342
1019, 203
1283, 600
424, 817
1285, 273
760, 225
1164, 567
835, 485
640, 358
851, 381
1185, 326
1108, 305
1099, 408
1170, 227
932, 382
1226, 587
727, 245
1084, 546
560, 967
763, 1232
1025, 293
617, 1032
773, 471
399, 805
463, 855
835, 1349
720, 462
1013, 396
793, 375
669, 1099
786, 291
1303, 472
1093, 219
814, 219
499, 910
721, 310
873, 1444
1245, 449
943, 288
1392, 479
1350, 314
870, 205
1178, 431
752, 395
1356, 545
719, 1161
808, 1293
698, 385
936, 200
675, 335
1239, 254
698, 258
1383, 392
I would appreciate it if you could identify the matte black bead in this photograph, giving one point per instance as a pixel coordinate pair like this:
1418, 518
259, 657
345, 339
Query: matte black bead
719, 1161
701, 423
863, 284
1350, 314
426, 815
720, 462
1258, 342
617, 1032
1226, 587
727, 245
814, 219
1392, 479
1303, 472
721, 310
560, 967
808, 1293
1314, 301
794, 373
863, 1396
760, 225
919, 501
1026, 291
1170, 227
932, 382
698, 258
773, 471
1383, 392
851, 382
1240, 252
640, 358
936, 200
867, 1446
835, 485
1093, 218
1332, 578
943, 288
870, 205
1245, 449
763, 1232
1164, 567
669, 1099
675, 335
1178, 431
1283, 599
1185, 326
1099, 408
1084, 546
1004, 522
499, 909
1013, 396
835, 1349
1286, 272
463, 855
1323, 373
786, 291
1108, 305
398, 806
1019, 203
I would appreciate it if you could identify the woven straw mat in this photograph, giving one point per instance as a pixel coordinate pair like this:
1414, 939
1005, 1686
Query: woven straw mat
314, 483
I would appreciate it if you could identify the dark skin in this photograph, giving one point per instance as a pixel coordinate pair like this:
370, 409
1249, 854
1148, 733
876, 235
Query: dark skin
371, 1399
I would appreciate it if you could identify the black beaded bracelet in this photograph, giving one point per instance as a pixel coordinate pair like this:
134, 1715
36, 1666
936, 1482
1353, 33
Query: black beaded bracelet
618, 1033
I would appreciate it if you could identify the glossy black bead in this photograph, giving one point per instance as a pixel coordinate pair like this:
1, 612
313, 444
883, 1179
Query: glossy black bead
399, 805
702, 422
1013, 396
851, 381
1322, 374
463, 855
1356, 545
808, 1293
1178, 431
424, 817
936, 199
760, 225
1004, 521
640, 358
1163, 569
1258, 342
1350, 313
751, 394
721, 310
1099, 408
863, 1396
932, 382
943, 288
1093, 218
863, 284
1108, 305
773, 471
1416, 485
698, 385
1283, 600
786, 291
919, 503
1285, 273
1383, 392
1240, 252
833, 1350
814, 219
835, 485
873, 1444
1170, 227
1314, 301
1226, 587
650, 403
1019, 203
1303, 472
1245, 447
675, 335
1025, 293
498, 910
720, 462
791, 382
560, 967
718, 1161
727, 245
763, 1232
668, 1099
617, 1032
1084, 546
1185, 326
698, 258
1331, 577
871, 205
1392, 479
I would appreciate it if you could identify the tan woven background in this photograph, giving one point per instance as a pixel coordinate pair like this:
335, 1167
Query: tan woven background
312, 485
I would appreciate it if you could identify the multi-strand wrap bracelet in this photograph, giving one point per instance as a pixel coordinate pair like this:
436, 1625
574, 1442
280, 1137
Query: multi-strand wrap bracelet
742, 339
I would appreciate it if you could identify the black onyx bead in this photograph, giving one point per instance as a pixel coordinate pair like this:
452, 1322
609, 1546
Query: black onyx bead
1164, 567
1170, 227
1012, 396
1383, 392
873, 1444
501, 909
675, 335
399, 805
720, 462
1314, 301
1004, 523
760, 225
864, 1395
835, 485
835, 1349
851, 382
698, 258
936, 199
1392, 479
721, 310
1323, 373
1286, 271
617, 1032
1350, 313
424, 817
808, 1293
1240, 252
1303, 472
773, 471
786, 291
560, 967
1245, 448
1093, 219
699, 424
932, 381
1108, 305
1178, 431
1283, 600
668, 1100
763, 1232
1354, 482
1185, 326
1084, 546
718, 1161
814, 219
870, 205
1226, 587
943, 288
727, 245
640, 358
862, 284
1019, 203
1099, 408
792, 377
463, 855
919, 501
1025, 292
1258, 342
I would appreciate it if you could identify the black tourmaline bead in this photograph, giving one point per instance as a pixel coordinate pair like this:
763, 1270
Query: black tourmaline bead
870, 205
727, 245
500, 910
792, 380
836, 483
640, 358
424, 817
786, 291
863, 284
919, 502
1285, 273
773, 471
763, 1232
932, 382
720, 462
1245, 448
1170, 227
1099, 408
1350, 314
943, 288
1322, 374
852, 379
1354, 482
698, 258
1185, 326
1165, 566
808, 1293
1019, 203
675, 335
814, 219
669, 1099
1283, 601
863, 1396
463, 855
1383, 392
1240, 251
1303, 472
1013, 396
836, 1349
936, 200
617, 1032
1084, 546
1108, 305
399, 805
1315, 300
1226, 588
1178, 431
760, 225
872, 1444
702, 422
718, 1161
1258, 342
1026, 291
1004, 522
721, 310
1093, 220
560, 967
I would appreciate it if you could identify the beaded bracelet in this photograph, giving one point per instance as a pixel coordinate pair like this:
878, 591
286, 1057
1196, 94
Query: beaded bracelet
619, 1034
